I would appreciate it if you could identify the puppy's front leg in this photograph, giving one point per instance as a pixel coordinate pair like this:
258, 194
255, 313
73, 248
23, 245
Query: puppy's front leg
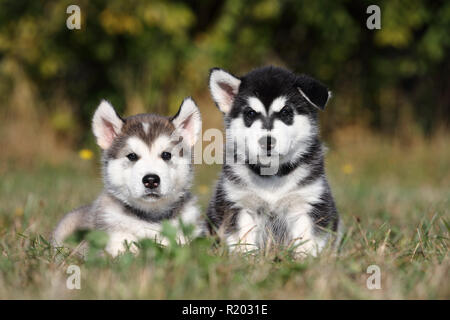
244, 238
305, 241
117, 244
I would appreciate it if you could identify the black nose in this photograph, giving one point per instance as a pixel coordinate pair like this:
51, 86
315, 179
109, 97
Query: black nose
267, 143
151, 181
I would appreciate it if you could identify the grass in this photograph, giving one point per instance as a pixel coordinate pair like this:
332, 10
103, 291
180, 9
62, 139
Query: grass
394, 199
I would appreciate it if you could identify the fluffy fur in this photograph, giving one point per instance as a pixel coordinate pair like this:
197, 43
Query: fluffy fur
147, 174
273, 189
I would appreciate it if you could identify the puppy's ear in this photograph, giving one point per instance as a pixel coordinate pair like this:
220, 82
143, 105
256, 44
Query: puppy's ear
314, 91
224, 88
106, 124
188, 122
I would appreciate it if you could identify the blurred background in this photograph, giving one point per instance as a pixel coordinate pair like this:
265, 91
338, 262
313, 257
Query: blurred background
146, 56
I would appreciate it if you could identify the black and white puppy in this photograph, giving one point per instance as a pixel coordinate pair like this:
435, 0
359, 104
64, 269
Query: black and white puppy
147, 174
273, 190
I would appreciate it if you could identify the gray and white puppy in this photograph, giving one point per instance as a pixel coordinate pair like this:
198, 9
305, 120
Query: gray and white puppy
271, 117
147, 174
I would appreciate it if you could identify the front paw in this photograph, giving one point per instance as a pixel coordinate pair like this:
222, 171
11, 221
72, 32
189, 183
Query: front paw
119, 244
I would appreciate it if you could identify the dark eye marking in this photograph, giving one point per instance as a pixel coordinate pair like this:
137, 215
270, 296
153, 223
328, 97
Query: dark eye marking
166, 156
249, 116
285, 111
286, 114
250, 113
132, 157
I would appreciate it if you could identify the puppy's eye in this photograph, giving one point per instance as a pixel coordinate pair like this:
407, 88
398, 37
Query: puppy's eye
166, 156
250, 113
286, 111
132, 156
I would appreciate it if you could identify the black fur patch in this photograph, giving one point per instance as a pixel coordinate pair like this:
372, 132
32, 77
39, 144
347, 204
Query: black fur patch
267, 84
316, 91
222, 213
172, 212
324, 213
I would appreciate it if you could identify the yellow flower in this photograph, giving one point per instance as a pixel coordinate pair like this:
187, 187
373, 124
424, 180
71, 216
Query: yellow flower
86, 154
347, 168
18, 212
203, 189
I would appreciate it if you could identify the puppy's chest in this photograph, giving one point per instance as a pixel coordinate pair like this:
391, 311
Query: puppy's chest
271, 200
115, 218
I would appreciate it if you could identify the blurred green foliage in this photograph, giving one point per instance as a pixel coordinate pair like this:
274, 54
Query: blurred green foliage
148, 55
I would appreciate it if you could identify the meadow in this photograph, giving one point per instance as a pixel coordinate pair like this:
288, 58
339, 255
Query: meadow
393, 196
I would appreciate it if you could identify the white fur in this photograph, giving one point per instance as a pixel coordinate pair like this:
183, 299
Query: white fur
146, 127
291, 139
188, 122
223, 99
123, 182
277, 104
304, 240
125, 228
275, 194
126, 180
283, 197
118, 241
256, 105
106, 124
190, 215
245, 238
126, 177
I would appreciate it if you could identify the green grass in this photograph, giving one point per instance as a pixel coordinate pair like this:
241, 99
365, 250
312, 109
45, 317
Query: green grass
394, 201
